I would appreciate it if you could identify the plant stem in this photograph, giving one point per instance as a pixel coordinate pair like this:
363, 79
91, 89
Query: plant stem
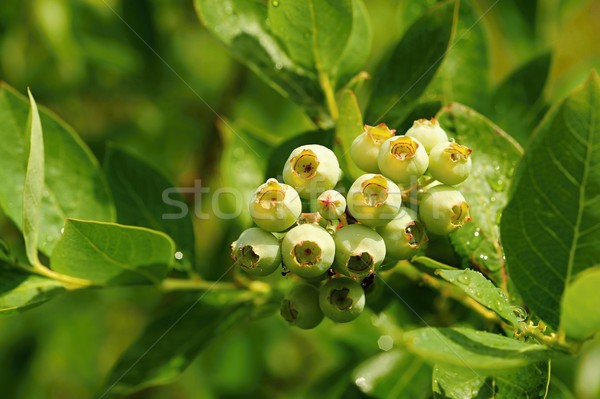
556, 341
357, 81
329, 95
70, 283
426, 182
175, 284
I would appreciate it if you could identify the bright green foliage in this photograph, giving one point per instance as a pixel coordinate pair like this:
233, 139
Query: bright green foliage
20, 291
530, 381
550, 228
482, 290
33, 186
579, 318
74, 184
144, 197
349, 127
112, 254
494, 160
473, 349
403, 77
393, 374
188, 134
518, 101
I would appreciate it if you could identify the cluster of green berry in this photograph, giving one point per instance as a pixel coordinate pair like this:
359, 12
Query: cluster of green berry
345, 240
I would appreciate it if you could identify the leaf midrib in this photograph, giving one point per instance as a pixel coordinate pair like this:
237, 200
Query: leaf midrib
112, 260
315, 37
582, 189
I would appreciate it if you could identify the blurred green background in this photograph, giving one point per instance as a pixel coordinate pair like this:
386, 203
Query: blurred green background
155, 81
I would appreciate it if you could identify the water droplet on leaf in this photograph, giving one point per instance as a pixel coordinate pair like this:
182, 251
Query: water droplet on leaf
464, 279
520, 313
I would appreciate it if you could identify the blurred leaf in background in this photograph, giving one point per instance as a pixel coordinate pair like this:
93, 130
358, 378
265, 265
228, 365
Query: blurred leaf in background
148, 77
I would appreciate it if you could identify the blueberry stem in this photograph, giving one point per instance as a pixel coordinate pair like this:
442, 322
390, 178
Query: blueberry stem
175, 284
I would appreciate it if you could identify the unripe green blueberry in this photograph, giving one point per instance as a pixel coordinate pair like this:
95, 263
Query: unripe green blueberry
365, 148
359, 250
404, 236
275, 206
403, 159
311, 169
331, 205
342, 299
428, 132
301, 307
374, 200
256, 251
308, 250
450, 163
443, 209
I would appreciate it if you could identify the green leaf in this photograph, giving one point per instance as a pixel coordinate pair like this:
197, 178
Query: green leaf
358, 47
146, 198
475, 285
33, 185
495, 155
242, 167
112, 254
405, 75
430, 264
242, 26
478, 350
550, 228
394, 374
581, 318
454, 382
518, 100
170, 342
463, 76
20, 291
409, 11
349, 126
74, 184
313, 32
281, 153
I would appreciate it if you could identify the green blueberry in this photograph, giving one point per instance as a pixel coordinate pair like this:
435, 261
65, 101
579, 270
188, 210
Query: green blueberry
450, 163
342, 299
308, 250
428, 132
443, 209
275, 206
256, 251
404, 236
374, 200
331, 205
402, 159
359, 250
365, 148
311, 169
300, 307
